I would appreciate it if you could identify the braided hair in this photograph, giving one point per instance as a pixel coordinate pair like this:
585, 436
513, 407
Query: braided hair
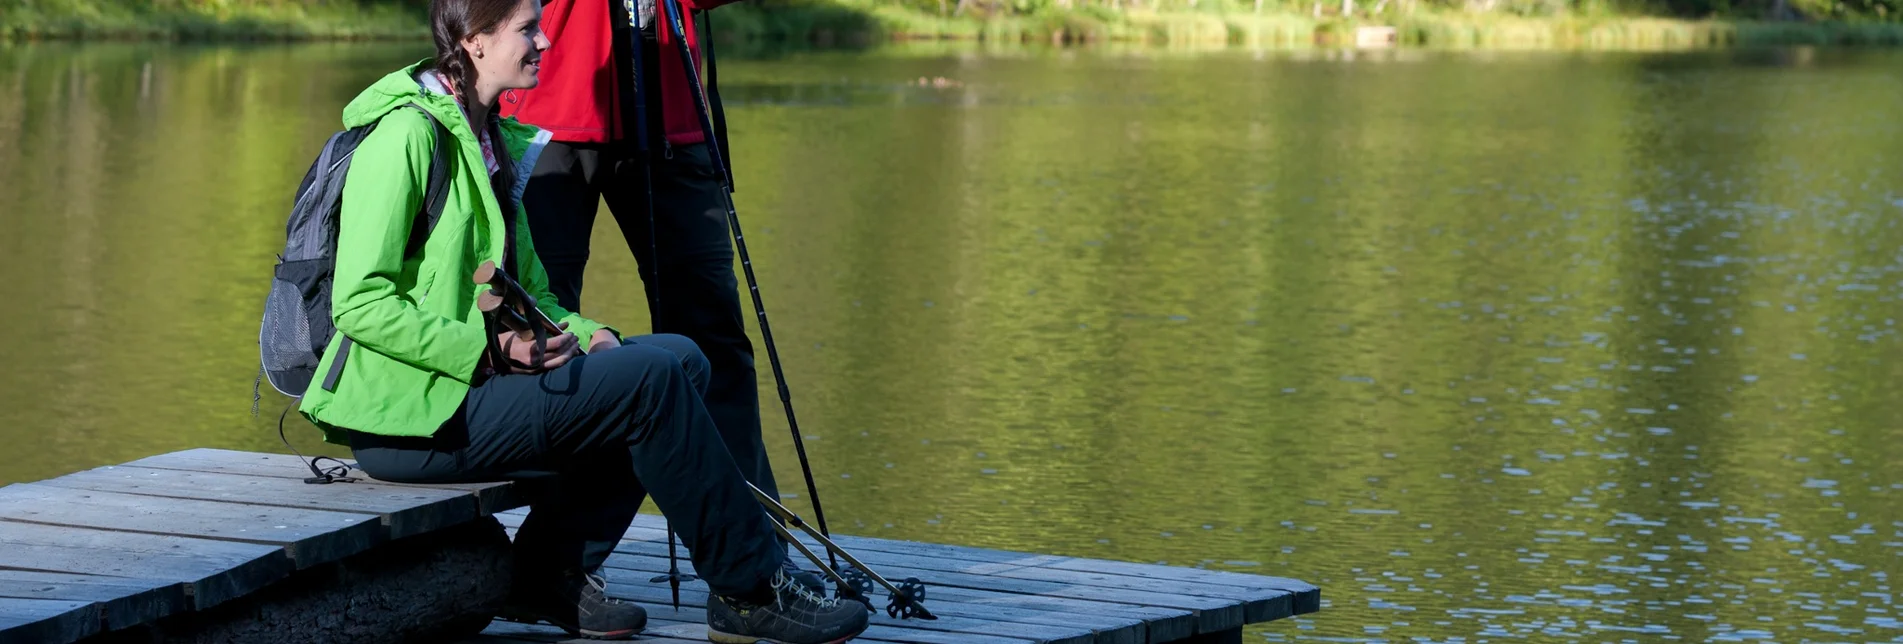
452, 21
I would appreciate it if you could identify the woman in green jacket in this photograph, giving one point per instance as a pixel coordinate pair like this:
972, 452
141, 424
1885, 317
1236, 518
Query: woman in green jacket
430, 393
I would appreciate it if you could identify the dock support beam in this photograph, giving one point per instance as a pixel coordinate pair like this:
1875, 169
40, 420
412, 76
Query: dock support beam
440, 586
1230, 636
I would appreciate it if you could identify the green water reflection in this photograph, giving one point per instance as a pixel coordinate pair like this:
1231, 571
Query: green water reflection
1491, 346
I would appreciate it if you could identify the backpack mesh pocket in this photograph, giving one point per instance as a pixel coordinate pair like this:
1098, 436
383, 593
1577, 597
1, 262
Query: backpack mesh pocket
285, 341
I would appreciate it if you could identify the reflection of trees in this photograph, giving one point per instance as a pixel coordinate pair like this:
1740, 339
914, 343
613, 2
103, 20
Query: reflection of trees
880, 245
1450, 229
1663, 356
1769, 258
148, 186
1110, 214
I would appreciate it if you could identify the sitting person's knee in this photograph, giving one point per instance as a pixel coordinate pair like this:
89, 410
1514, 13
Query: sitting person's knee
684, 350
640, 361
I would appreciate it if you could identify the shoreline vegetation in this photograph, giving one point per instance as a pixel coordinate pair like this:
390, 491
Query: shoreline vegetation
1284, 24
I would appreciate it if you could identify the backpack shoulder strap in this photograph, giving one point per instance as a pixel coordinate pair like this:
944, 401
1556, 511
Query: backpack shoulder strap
437, 190
434, 195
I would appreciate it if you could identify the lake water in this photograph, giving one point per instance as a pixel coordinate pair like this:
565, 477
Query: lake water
1492, 346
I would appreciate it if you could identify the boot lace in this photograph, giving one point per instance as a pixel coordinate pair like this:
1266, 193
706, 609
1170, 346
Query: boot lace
600, 584
783, 584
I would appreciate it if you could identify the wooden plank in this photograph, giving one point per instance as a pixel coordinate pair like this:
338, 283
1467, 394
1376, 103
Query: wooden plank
1260, 603
691, 623
1152, 571
653, 597
667, 627
122, 602
1307, 596
405, 511
662, 618
662, 626
1208, 614
213, 571
1019, 619
1111, 621
1078, 564
1216, 578
501, 632
1251, 605
310, 537
695, 594
1157, 624
491, 497
47, 621
1212, 613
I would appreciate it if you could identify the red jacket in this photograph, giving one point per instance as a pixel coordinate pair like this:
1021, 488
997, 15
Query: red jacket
576, 99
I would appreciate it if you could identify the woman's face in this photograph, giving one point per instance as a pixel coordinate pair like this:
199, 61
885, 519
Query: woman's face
510, 56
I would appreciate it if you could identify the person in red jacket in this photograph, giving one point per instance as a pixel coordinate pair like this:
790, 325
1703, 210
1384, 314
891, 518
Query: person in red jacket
666, 200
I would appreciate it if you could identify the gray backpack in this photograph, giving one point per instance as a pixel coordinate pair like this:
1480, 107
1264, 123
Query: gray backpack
297, 325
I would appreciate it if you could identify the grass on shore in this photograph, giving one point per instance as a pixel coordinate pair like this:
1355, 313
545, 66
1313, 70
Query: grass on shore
215, 20
861, 22
829, 21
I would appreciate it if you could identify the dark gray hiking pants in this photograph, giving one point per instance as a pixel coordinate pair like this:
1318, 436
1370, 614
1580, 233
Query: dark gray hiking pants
692, 289
614, 426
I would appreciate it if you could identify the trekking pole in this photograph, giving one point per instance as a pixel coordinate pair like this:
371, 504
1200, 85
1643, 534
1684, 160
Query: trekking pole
673, 10
674, 577
908, 598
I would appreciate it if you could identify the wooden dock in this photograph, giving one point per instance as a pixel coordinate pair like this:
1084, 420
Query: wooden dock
189, 540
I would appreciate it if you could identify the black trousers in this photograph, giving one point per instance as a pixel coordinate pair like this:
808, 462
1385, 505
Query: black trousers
691, 286
613, 426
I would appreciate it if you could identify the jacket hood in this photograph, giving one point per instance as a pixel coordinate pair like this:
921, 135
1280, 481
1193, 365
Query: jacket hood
400, 88
395, 90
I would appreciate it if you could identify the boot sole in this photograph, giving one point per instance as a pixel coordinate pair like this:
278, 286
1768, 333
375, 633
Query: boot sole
728, 638
527, 618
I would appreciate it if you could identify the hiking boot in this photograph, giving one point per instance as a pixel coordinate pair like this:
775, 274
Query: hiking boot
578, 604
805, 578
787, 613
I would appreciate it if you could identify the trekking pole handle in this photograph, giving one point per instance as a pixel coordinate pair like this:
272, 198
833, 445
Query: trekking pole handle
672, 17
513, 296
491, 303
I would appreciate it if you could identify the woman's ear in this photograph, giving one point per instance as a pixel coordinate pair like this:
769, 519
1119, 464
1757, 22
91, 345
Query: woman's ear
472, 46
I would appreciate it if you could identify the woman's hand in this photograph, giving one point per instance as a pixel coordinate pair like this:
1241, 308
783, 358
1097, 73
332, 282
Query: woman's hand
521, 353
603, 341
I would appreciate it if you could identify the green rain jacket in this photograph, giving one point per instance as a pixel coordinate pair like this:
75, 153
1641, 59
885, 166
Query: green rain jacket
416, 333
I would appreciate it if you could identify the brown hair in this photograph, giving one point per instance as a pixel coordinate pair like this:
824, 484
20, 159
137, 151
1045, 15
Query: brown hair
450, 22
453, 20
